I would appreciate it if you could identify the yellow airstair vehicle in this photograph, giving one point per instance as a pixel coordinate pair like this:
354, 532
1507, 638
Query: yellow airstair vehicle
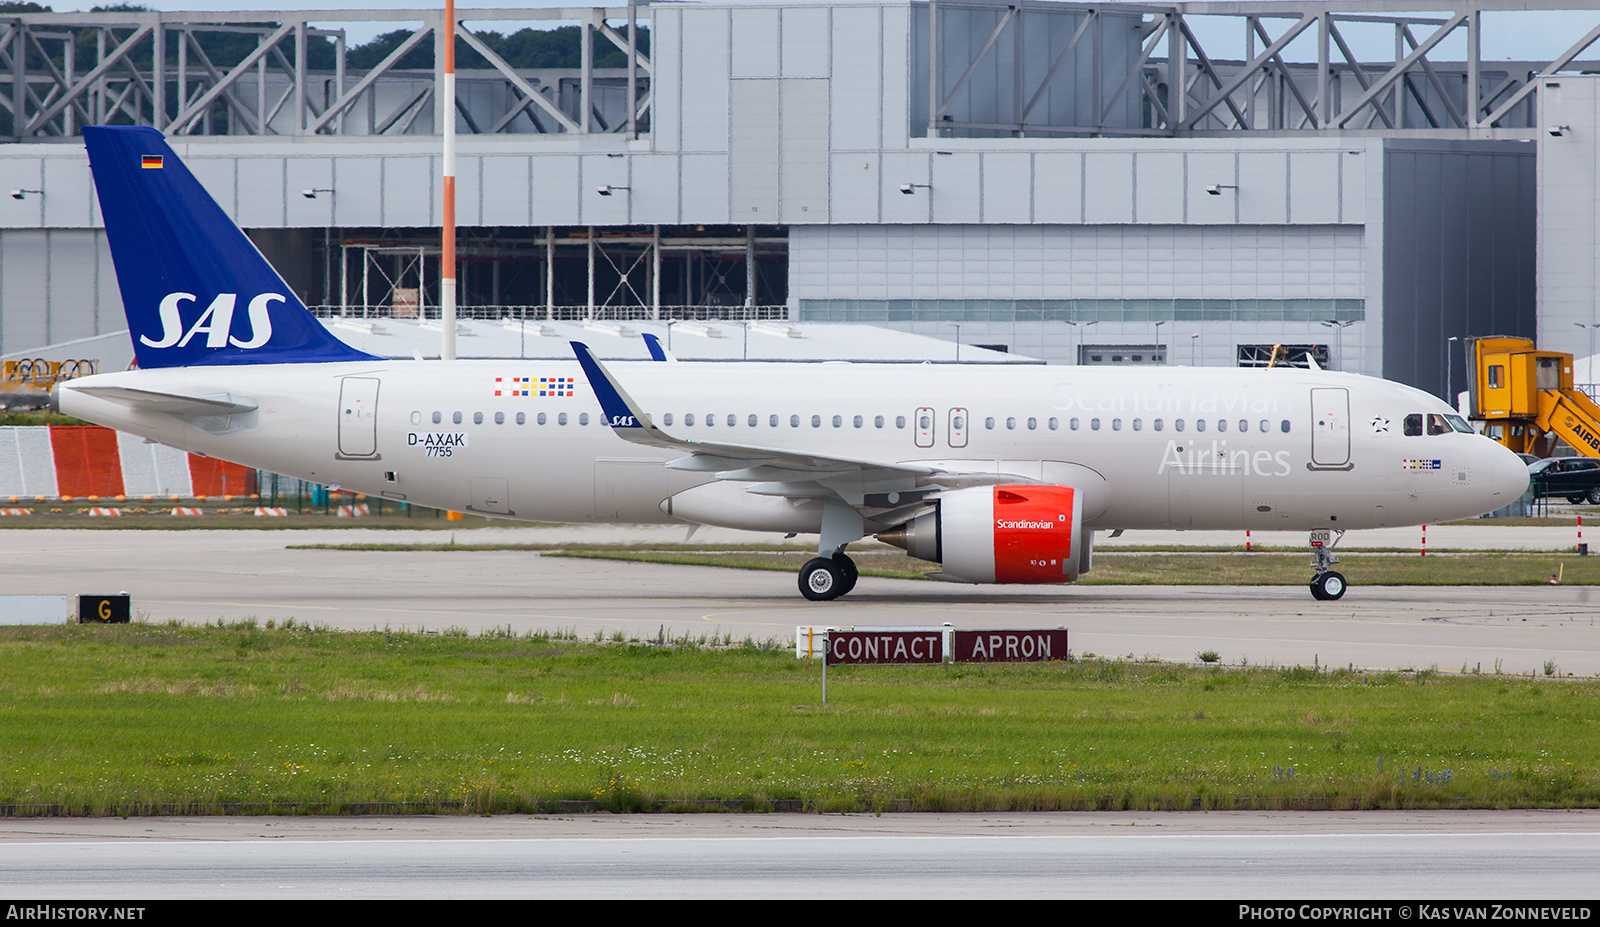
1526, 399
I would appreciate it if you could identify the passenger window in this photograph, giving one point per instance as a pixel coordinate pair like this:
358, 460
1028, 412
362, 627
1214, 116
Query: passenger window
877, 421
561, 419
688, 418
1054, 424
522, 418
734, 420
1116, 424
437, 418
1413, 425
477, 418
1073, 424
772, 421
838, 420
1157, 424
1244, 425
542, 419
499, 418
456, 418
583, 418
665, 419
1138, 424
989, 423
1283, 426
856, 421
794, 421
416, 418
1222, 424
1094, 424
753, 420
816, 421
1033, 424
899, 421
711, 419
1177, 424
1266, 426
1199, 424
1011, 424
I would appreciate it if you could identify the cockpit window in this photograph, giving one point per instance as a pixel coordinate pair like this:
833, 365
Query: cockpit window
1459, 424
1437, 425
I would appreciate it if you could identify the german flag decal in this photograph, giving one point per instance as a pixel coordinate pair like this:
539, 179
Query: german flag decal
150, 162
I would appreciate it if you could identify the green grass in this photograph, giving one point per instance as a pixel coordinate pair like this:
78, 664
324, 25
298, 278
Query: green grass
155, 719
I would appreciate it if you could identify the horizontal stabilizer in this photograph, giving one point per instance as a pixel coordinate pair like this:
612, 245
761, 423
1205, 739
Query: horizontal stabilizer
178, 404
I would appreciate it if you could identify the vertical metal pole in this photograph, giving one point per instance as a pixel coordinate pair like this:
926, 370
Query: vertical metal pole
446, 106
655, 273
933, 68
183, 73
1017, 49
590, 240
633, 68
158, 75
19, 79
1177, 60
261, 89
586, 78
338, 79
550, 272
749, 265
1324, 87
299, 78
67, 66
1474, 22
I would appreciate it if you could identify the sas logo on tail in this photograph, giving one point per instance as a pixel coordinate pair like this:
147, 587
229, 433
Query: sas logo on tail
216, 322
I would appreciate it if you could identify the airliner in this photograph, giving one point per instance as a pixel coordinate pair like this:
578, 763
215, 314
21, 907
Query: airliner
1000, 475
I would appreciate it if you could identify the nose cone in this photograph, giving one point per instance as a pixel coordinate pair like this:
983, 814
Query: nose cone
1508, 475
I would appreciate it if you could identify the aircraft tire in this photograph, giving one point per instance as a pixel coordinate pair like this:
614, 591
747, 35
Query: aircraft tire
847, 569
1327, 587
821, 580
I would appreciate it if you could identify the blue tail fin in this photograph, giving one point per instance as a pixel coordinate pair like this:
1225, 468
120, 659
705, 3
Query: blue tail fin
195, 289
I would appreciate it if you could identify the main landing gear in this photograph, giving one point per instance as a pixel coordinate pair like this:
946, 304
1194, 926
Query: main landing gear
824, 578
1326, 585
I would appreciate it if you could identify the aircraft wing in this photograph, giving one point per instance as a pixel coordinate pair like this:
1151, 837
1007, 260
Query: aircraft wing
771, 471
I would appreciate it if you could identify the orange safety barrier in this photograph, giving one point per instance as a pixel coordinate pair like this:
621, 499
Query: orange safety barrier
213, 477
87, 461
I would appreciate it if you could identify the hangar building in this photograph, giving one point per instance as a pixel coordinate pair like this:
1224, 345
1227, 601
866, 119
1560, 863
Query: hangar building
1097, 184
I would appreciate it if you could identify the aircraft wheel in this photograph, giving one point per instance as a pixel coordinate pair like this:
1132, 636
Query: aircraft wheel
847, 569
821, 580
1326, 587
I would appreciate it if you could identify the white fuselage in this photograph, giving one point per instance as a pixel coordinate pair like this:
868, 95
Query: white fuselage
1177, 447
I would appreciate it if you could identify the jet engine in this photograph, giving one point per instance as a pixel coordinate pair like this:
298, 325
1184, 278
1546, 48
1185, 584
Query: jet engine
1001, 534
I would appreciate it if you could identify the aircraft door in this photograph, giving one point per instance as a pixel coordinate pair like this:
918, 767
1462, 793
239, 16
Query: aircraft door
924, 425
1330, 429
957, 431
358, 418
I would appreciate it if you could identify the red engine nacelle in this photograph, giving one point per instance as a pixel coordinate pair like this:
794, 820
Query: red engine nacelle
1001, 534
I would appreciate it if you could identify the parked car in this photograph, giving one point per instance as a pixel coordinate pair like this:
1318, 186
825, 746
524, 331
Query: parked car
1577, 479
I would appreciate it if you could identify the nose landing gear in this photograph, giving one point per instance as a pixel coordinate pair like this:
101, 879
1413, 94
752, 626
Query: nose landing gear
1326, 584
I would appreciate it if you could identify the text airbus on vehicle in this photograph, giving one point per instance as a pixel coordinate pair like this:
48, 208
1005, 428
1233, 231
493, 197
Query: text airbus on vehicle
999, 475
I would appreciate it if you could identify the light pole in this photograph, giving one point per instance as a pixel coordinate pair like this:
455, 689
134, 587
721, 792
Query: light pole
1075, 358
1589, 364
1449, 372
1193, 340
1339, 327
1158, 333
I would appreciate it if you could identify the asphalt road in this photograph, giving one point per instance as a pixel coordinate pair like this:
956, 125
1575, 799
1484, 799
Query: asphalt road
1405, 857
199, 576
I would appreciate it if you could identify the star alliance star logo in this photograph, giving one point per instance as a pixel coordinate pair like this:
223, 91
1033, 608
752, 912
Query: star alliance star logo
1380, 425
